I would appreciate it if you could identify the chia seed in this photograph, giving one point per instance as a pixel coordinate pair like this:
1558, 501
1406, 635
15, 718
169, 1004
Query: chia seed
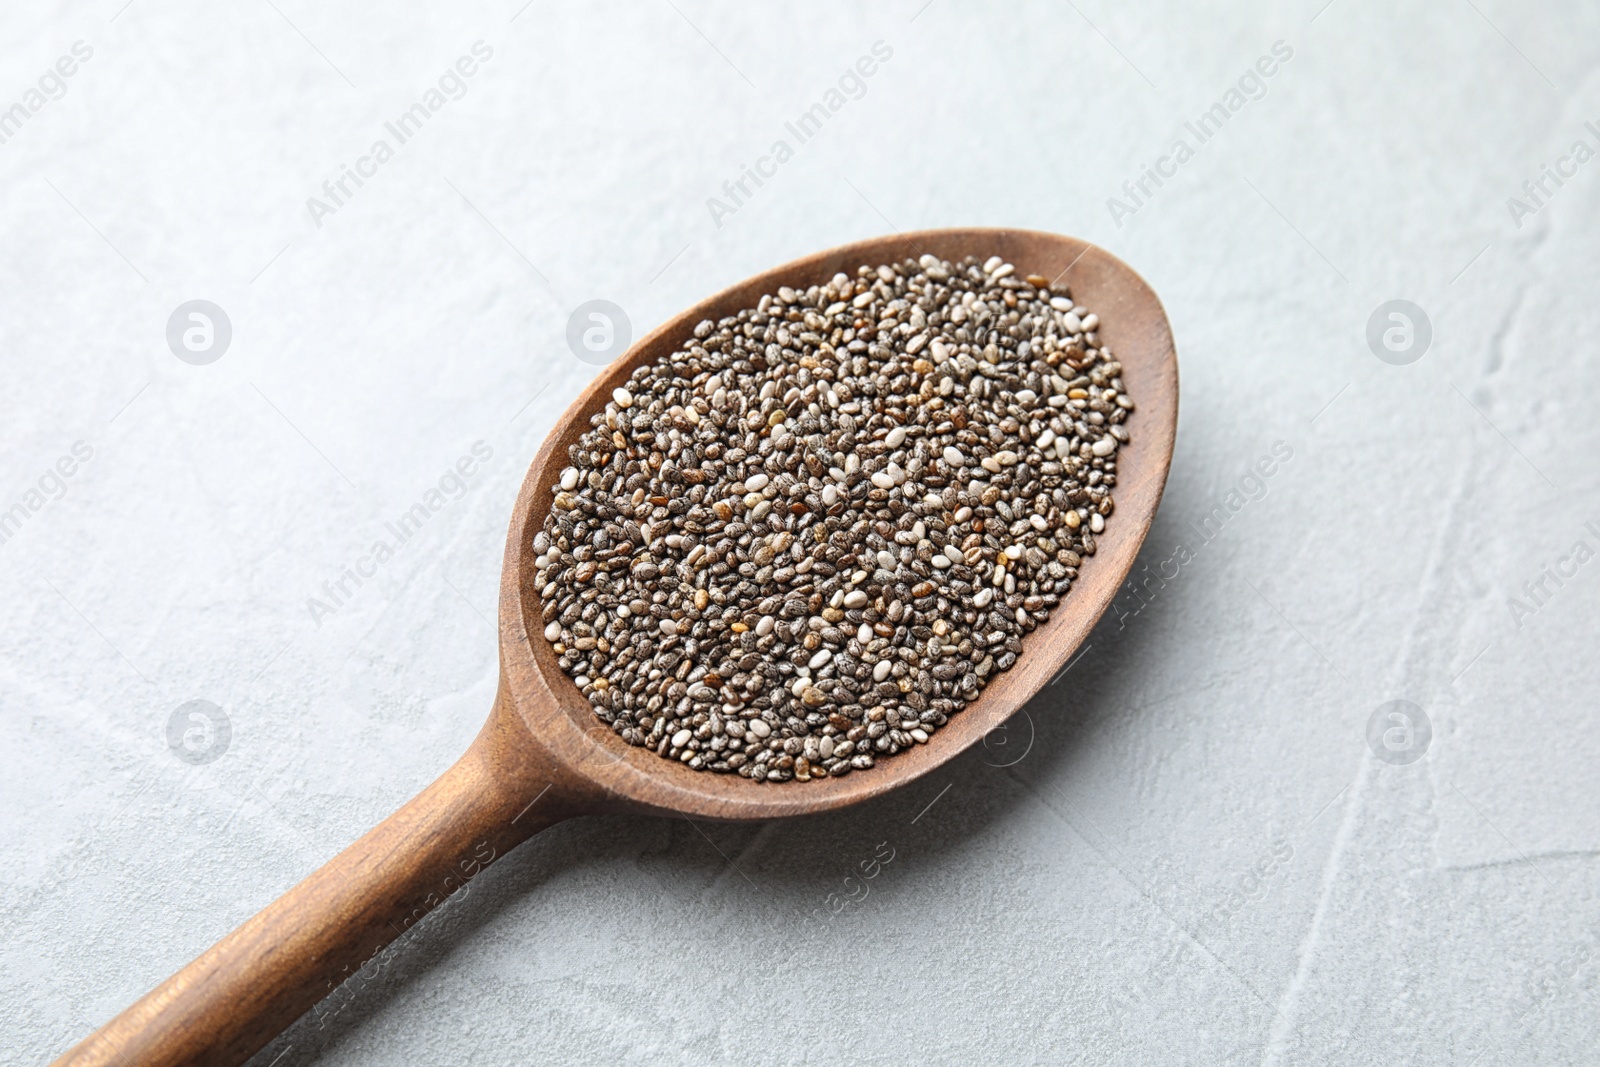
805, 539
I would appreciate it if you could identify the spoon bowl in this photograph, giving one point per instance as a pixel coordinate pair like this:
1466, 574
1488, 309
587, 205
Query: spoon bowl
1132, 324
543, 756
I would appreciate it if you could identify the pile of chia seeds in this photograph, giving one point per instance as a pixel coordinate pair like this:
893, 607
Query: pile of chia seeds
808, 537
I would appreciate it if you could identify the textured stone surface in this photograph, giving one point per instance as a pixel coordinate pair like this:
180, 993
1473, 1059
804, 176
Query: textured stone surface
1091, 902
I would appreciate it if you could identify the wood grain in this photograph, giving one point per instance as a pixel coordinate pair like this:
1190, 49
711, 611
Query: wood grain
542, 756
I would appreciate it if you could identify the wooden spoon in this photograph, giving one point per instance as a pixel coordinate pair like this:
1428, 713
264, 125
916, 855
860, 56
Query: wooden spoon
544, 757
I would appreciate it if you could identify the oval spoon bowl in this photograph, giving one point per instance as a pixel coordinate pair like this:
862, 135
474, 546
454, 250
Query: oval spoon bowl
1132, 324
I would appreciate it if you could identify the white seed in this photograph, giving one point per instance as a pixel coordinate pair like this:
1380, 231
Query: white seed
1104, 447
1097, 523
760, 728
569, 479
953, 456
669, 627
883, 480
1014, 551
887, 561
854, 599
764, 625
623, 398
896, 438
756, 482
552, 632
821, 658
881, 671
681, 738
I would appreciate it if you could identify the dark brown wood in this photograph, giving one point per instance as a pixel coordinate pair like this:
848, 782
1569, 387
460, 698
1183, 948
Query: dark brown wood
543, 756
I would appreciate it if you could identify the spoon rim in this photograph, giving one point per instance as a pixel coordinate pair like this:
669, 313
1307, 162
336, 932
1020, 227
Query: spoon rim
584, 754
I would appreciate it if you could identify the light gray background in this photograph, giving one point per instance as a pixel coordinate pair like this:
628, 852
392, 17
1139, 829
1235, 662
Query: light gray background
1072, 907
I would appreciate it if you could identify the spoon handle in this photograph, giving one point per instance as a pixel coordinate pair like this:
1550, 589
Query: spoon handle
245, 989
